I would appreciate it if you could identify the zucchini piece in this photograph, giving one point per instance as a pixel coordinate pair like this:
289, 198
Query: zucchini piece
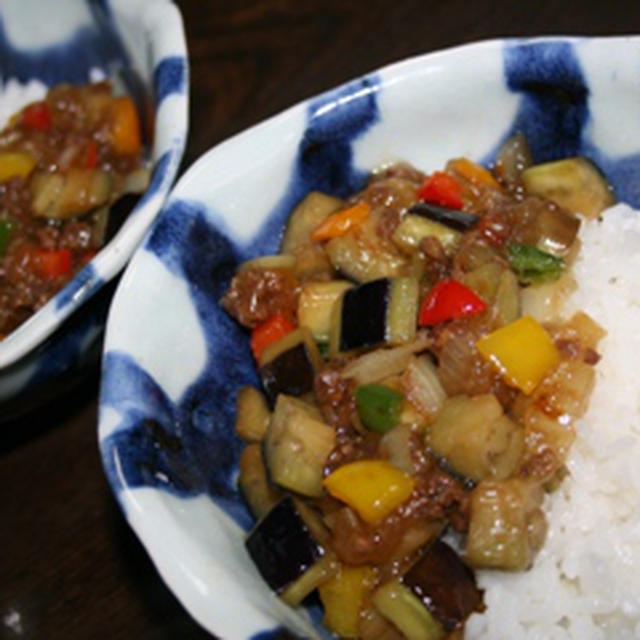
576, 184
383, 311
279, 261
402, 311
398, 604
290, 364
413, 228
254, 483
296, 446
309, 213
323, 570
286, 543
252, 414
315, 304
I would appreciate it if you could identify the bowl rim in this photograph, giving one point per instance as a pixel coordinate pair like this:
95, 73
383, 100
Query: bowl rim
165, 559
168, 39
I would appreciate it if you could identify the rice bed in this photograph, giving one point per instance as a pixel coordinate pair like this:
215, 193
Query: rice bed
585, 583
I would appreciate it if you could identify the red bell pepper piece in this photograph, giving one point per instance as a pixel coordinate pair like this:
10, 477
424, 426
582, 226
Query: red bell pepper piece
37, 116
52, 263
442, 189
91, 155
448, 300
276, 327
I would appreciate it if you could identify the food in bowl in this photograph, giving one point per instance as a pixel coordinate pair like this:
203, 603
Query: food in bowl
418, 383
65, 161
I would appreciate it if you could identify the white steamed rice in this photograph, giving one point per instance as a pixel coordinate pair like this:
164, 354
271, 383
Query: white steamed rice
585, 583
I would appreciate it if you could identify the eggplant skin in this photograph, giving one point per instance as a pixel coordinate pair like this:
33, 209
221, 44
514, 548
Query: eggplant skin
364, 315
281, 545
291, 372
445, 586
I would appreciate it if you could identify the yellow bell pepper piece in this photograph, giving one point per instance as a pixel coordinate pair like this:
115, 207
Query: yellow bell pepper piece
372, 488
16, 163
343, 596
522, 352
473, 172
339, 223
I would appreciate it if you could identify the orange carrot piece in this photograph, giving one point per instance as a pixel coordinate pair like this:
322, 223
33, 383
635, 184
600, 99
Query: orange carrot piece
125, 126
473, 172
339, 223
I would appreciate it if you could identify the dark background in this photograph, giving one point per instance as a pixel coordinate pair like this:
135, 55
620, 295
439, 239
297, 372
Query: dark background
69, 565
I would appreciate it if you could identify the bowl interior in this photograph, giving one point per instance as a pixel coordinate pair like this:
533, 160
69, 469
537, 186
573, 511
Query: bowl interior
174, 360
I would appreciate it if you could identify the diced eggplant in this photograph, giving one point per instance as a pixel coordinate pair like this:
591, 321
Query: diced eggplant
445, 586
77, 192
296, 446
476, 438
252, 414
452, 218
260, 495
290, 364
315, 305
413, 228
513, 158
306, 217
286, 543
363, 255
576, 184
379, 312
506, 524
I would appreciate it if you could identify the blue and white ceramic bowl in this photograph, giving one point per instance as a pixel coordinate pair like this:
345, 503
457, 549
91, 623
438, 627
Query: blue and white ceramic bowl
173, 358
139, 44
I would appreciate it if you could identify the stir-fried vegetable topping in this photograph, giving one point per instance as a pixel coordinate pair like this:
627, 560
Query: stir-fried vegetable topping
442, 397
448, 300
532, 265
378, 406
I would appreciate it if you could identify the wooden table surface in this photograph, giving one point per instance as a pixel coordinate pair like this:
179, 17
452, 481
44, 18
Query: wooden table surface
70, 567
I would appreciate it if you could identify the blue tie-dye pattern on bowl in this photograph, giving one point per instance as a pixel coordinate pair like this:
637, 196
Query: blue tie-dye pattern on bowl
95, 46
168, 445
189, 447
324, 162
159, 174
554, 112
85, 282
169, 77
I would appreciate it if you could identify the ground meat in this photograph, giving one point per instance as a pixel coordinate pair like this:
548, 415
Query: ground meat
437, 496
256, 294
39, 255
334, 396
